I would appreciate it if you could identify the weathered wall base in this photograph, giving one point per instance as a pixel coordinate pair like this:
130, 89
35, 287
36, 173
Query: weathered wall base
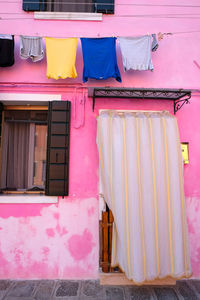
49, 241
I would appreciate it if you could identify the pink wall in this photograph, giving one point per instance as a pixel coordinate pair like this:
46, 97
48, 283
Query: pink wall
61, 240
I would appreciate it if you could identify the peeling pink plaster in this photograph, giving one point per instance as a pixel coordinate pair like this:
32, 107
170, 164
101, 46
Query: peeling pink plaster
91, 211
193, 220
61, 230
20, 210
3, 265
191, 228
50, 232
79, 272
45, 251
80, 245
18, 254
37, 248
56, 216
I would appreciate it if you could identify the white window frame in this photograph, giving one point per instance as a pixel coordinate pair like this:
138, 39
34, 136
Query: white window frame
46, 15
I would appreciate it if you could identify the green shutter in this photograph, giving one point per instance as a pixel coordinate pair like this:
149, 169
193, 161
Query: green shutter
104, 6
34, 5
1, 110
57, 165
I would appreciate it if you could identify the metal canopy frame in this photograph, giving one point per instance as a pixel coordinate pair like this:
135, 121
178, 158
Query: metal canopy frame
179, 97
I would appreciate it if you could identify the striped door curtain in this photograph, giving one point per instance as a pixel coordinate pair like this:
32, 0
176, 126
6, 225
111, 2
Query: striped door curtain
142, 177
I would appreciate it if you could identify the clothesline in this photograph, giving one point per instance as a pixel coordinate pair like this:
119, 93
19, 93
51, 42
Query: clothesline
97, 36
117, 36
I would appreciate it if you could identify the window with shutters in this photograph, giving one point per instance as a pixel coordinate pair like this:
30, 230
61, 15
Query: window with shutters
35, 149
89, 6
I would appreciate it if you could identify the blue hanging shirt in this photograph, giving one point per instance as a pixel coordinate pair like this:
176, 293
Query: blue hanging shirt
100, 60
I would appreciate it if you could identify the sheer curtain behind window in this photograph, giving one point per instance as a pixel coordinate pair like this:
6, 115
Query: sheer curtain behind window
77, 6
142, 178
16, 157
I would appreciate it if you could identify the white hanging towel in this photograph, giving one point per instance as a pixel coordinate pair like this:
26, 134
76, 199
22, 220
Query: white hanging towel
31, 47
136, 53
6, 36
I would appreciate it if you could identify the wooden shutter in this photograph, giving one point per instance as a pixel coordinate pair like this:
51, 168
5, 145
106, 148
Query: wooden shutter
34, 5
1, 123
1, 110
57, 165
104, 6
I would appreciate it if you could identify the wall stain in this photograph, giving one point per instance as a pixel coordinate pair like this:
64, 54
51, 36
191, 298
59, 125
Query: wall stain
91, 211
21, 210
50, 232
80, 245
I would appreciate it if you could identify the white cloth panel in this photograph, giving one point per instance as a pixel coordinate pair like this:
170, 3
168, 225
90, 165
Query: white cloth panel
136, 53
6, 36
142, 179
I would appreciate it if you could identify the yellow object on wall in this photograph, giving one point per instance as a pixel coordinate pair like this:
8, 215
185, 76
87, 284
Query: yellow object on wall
61, 57
185, 152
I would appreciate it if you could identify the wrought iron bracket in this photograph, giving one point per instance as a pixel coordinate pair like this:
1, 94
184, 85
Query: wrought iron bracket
179, 97
178, 104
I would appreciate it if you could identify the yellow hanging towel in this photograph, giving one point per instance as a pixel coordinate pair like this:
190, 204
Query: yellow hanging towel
61, 57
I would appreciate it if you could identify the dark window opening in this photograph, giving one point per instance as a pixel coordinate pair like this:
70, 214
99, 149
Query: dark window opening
92, 6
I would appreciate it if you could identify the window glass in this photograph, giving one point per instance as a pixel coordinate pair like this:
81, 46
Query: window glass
91, 6
70, 5
40, 155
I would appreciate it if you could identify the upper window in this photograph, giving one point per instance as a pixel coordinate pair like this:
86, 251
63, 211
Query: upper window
92, 6
35, 149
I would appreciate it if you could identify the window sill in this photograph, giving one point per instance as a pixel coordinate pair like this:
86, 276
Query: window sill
27, 198
68, 16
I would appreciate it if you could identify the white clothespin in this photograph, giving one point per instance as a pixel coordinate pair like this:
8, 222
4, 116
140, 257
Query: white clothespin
160, 36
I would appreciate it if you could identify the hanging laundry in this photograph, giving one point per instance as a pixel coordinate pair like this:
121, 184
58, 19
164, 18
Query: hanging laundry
154, 45
6, 50
61, 57
136, 53
100, 60
31, 47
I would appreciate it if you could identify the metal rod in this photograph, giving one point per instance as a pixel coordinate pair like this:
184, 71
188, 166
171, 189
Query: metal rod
175, 95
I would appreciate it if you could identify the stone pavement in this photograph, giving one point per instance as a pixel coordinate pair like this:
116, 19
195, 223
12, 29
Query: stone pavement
90, 289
